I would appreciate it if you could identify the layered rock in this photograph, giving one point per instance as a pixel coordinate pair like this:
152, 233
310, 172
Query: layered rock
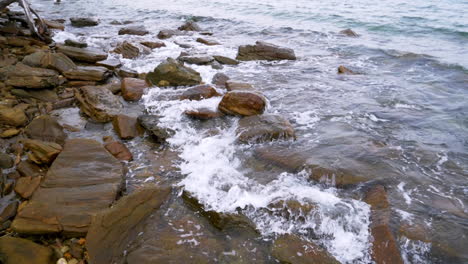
98, 103
253, 129
199, 92
88, 73
208, 42
24, 76
118, 150
110, 64
91, 55
173, 73
152, 125
203, 114
264, 51
25, 186
55, 61
134, 30
132, 89
225, 60
190, 26
42, 152
46, 128
84, 22
75, 43
169, 33
15, 250
127, 50
126, 127
153, 44
242, 103
199, 60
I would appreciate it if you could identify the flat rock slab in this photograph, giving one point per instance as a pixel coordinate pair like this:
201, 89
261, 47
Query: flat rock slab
264, 51
15, 250
264, 128
83, 54
82, 181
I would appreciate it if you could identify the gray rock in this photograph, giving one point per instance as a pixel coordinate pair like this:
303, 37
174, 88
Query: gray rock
261, 128
134, 30
98, 103
199, 60
84, 22
83, 54
151, 124
264, 51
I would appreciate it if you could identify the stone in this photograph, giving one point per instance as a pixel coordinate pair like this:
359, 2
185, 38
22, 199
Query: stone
238, 86
8, 133
15, 250
83, 180
110, 64
153, 44
349, 32
168, 33
69, 102
24, 76
199, 92
190, 26
88, 73
9, 211
343, 70
45, 95
113, 229
84, 22
199, 60
242, 103
255, 129
264, 51
216, 65
126, 127
13, 117
225, 60
91, 55
46, 128
132, 88
183, 45
151, 124
57, 61
220, 79
54, 24
133, 30
6, 161
119, 150
42, 152
126, 72
127, 50
80, 83
25, 186
292, 249
174, 74
114, 85
75, 43
27, 168
100, 104
203, 114
208, 42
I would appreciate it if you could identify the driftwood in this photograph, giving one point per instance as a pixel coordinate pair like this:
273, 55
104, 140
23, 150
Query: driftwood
40, 30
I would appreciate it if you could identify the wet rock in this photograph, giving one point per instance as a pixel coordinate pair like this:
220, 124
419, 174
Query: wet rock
98, 103
242, 103
183, 45
203, 114
83, 180
25, 186
254, 129
220, 79
27, 168
169, 33
13, 117
153, 44
127, 127
80, 83
114, 85
216, 65
349, 32
8, 133
91, 55
199, 92
292, 249
173, 73
199, 60
23, 76
384, 246
127, 50
134, 30
291, 209
225, 60
152, 125
55, 61
6, 161
84, 22
208, 42
238, 86
42, 152
118, 150
190, 26
125, 72
110, 64
45, 95
9, 211
22, 251
113, 229
69, 102
264, 51
46, 128
88, 73
132, 89
343, 70
75, 43
54, 24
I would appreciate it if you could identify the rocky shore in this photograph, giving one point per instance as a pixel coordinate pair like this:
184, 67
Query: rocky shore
65, 199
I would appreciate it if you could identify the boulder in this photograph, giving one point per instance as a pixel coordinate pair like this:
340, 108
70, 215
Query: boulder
118, 150
45, 95
208, 42
27, 168
75, 43
127, 50
225, 60
153, 44
349, 32
199, 92
238, 86
220, 79
199, 60
110, 64
83, 180
203, 114
126, 72
46, 128
292, 249
25, 186
91, 55
88, 73
126, 127
84, 22
6, 161
42, 152
343, 70
132, 88
190, 26
173, 73
169, 33
54, 24
100, 104
113, 229
24, 76
114, 85
8, 212
133, 30
254, 129
15, 250
151, 124
242, 103
264, 51
55, 61
13, 117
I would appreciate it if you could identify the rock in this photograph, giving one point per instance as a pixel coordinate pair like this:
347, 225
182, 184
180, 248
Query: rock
9, 211
216, 65
199, 60
80, 83
220, 79
125, 72
110, 64
384, 246
91, 55
343, 70
23, 76
208, 42
151, 124
203, 114
11, 132
69, 102
190, 26
88, 73
242, 103
132, 89
199, 92
83, 180
62, 261
118, 150
126, 127
13, 117
27, 168
153, 44
42, 152
15, 250
45, 95
54, 24
225, 60
84, 22
134, 30
6, 161
349, 32
75, 43
25, 186
46, 128
292, 249
174, 74
57, 61
113, 229
168, 33
127, 50
255, 129
264, 51
98, 103
114, 85
238, 86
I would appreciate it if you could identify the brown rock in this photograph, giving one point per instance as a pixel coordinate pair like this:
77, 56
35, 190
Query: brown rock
126, 127
349, 32
343, 70
114, 85
253, 129
46, 128
168, 33
88, 73
42, 152
80, 83
6, 161
264, 51
8, 133
54, 24
55, 61
153, 44
208, 42
84, 21
126, 72
203, 114
25, 186
83, 54
29, 169
199, 92
127, 50
98, 103
9, 211
15, 250
110, 64
190, 26
24, 76
173, 73
133, 30
220, 79
242, 103
119, 150
238, 86
225, 60
75, 43
13, 117
132, 89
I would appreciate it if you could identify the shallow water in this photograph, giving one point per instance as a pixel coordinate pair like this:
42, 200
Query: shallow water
403, 121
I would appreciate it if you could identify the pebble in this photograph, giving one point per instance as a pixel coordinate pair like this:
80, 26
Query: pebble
62, 261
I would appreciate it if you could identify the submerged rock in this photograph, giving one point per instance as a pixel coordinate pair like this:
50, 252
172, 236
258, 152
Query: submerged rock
84, 22
349, 32
220, 79
127, 50
98, 103
199, 92
253, 129
208, 42
134, 30
242, 103
173, 73
132, 89
46, 128
152, 125
15, 250
153, 44
238, 86
91, 55
190, 26
168, 33
88, 73
264, 51
343, 70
